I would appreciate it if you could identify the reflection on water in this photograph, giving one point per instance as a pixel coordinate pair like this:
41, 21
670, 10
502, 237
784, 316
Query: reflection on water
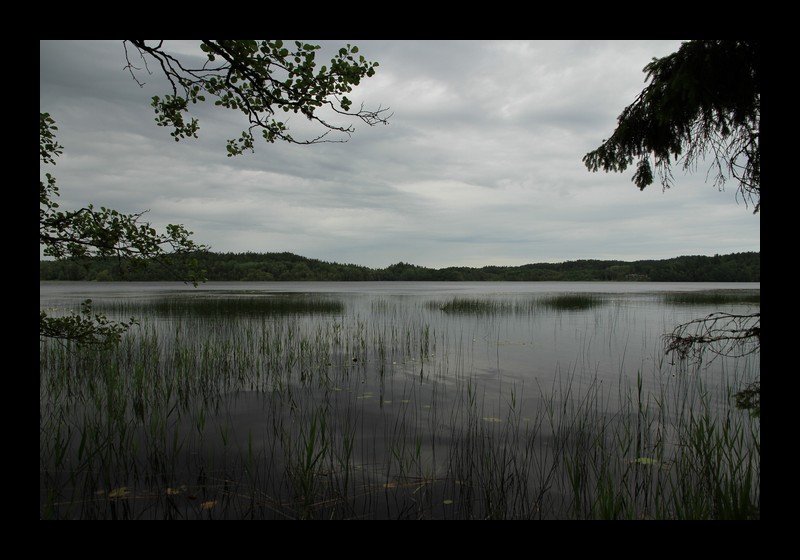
302, 390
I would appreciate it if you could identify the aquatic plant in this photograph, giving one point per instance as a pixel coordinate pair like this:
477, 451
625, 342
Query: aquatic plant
390, 414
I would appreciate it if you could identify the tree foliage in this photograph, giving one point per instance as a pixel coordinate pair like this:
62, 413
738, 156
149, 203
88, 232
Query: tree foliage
288, 267
84, 328
99, 233
703, 103
103, 232
264, 80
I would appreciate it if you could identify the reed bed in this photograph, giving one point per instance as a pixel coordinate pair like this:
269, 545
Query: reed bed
519, 306
376, 416
719, 297
214, 305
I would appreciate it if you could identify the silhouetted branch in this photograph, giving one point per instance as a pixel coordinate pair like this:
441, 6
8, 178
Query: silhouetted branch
722, 334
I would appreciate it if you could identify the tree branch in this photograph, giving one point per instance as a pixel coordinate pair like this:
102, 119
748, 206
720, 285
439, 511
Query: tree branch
259, 79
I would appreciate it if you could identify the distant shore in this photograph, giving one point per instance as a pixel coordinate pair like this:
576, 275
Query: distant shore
288, 267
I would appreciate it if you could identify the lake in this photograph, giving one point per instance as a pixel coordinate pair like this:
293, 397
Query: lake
396, 400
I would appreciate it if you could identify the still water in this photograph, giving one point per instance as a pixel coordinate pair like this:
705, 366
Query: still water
394, 365
506, 340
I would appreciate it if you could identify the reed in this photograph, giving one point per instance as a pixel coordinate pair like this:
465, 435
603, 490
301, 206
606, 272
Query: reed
719, 297
474, 306
378, 416
518, 306
572, 302
215, 305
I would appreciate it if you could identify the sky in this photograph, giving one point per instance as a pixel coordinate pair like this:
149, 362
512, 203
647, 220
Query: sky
479, 165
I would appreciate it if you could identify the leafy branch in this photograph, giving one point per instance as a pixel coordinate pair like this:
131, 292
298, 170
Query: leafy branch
86, 328
261, 79
104, 233
704, 101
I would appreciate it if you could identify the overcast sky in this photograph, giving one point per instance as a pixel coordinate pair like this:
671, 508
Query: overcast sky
480, 164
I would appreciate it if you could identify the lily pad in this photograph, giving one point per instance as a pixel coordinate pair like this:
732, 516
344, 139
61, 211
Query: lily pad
646, 461
120, 492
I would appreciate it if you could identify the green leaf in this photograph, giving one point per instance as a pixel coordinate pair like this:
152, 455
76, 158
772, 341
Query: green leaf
120, 492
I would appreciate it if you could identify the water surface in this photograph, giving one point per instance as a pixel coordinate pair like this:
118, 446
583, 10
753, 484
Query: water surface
388, 368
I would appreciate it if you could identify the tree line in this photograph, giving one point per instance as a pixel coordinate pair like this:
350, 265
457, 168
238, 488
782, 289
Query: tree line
736, 267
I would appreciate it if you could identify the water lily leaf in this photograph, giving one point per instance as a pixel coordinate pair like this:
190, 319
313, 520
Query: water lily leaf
447, 502
120, 492
492, 419
646, 461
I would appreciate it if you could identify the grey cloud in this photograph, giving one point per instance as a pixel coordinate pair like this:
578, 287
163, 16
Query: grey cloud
480, 164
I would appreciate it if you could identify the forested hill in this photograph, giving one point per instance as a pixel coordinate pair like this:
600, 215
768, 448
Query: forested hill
736, 267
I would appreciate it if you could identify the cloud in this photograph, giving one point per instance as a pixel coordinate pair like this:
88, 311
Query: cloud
480, 164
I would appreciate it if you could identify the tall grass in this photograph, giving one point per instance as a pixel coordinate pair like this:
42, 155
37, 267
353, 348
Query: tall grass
718, 297
382, 417
500, 305
215, 305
